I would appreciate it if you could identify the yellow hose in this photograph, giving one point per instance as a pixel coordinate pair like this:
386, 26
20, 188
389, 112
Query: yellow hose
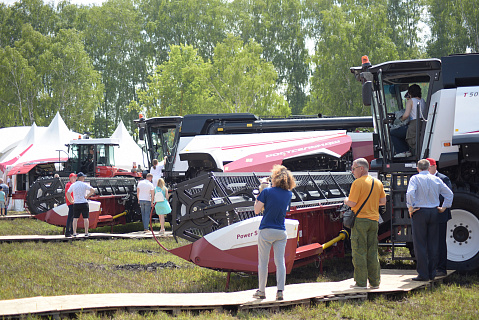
342, 235
119, 215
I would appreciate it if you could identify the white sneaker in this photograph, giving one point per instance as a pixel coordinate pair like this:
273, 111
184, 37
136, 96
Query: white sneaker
403, 154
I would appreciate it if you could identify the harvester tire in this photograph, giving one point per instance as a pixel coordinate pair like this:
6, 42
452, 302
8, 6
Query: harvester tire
463, 232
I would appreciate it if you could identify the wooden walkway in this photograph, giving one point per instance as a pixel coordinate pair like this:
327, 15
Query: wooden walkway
392, 281
16, 216
81, 236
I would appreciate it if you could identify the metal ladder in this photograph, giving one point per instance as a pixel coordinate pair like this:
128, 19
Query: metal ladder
401, 228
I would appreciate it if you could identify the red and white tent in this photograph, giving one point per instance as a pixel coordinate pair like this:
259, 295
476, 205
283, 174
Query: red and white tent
20, 140
13, 137
35, 149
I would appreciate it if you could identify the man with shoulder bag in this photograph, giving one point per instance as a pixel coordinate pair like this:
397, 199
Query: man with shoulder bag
365, 197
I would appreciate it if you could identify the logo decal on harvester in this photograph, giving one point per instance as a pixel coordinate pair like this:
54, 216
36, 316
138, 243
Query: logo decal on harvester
246, 235
292, 151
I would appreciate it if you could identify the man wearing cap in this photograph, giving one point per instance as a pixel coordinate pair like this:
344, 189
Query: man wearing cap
422, 199
442, 218
69, 227
78, 196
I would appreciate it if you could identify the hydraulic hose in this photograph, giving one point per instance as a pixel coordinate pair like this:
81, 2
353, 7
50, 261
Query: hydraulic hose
151, 228
343, 234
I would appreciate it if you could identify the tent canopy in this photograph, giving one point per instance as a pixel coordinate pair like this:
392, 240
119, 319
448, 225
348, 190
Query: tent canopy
48, 147
129, 151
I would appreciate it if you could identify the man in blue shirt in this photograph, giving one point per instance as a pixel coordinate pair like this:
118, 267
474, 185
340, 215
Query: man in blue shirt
422, 199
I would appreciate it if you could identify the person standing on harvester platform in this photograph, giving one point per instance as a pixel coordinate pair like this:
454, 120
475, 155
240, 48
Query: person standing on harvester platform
422, 199
272, 230
364, 233
442, 218
80, 202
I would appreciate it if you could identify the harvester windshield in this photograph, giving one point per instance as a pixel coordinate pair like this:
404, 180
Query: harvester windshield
86, 155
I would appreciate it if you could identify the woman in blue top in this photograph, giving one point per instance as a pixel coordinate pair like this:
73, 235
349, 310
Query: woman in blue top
162, 208
272, 231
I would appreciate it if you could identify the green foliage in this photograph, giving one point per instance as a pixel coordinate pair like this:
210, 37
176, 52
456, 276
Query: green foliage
48, 75
237, 80
128, 43
351, 33
74, 87
177, 87
279, 27
112, 38
243, 81
453, 26
405, 18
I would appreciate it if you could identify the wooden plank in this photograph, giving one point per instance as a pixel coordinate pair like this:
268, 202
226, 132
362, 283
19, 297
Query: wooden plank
294, 294
81, 236
16, 216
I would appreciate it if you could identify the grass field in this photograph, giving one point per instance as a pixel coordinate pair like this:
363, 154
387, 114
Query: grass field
84, 267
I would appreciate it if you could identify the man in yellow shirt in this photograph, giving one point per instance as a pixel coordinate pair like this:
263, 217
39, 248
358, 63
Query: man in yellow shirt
364, 233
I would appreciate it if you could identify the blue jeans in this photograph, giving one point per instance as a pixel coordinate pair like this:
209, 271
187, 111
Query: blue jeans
398, 137
266, 239
145, 207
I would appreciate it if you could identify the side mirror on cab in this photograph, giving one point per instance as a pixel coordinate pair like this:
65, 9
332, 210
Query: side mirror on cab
367, 93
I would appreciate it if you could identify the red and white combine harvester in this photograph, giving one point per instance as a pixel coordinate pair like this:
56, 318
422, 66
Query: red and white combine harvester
216, 161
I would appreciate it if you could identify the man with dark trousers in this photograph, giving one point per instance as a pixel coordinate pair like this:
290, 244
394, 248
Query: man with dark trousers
422, 199
69, 226
441, 269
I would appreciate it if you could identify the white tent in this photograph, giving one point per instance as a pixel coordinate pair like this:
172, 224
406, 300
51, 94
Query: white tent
48, 147
12, 137
129, 151
20, 142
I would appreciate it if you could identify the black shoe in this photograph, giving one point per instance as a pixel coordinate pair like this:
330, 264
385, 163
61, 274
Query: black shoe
68, 235
419, 279
441, 273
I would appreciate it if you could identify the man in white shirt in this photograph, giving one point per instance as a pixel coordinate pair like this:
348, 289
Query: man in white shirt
80, 201
146, 193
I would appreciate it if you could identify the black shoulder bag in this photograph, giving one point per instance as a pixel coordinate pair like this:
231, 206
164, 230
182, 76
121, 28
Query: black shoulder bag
349, 216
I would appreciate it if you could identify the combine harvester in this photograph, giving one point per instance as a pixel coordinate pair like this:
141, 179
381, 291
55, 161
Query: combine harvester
448, 131
203, 203
114, 201
216, 161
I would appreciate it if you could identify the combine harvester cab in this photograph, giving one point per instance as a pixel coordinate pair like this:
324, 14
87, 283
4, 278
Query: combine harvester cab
215, 212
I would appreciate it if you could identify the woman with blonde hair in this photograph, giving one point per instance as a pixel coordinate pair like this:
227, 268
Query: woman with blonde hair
162, 208
272, 230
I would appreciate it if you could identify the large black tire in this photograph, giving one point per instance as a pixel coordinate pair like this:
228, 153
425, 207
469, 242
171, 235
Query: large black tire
463, 232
